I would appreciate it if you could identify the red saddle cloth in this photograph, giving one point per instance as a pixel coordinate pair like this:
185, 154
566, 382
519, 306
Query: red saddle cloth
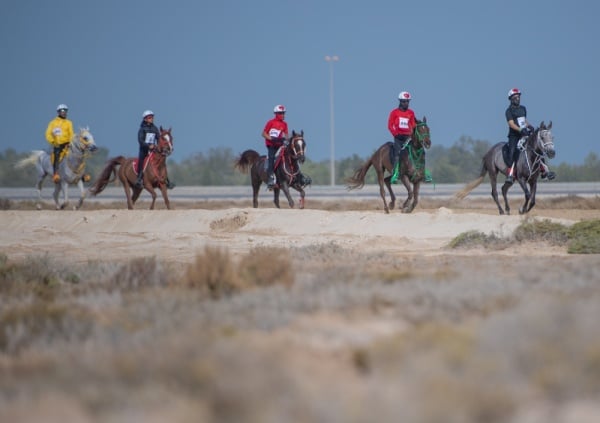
134, 163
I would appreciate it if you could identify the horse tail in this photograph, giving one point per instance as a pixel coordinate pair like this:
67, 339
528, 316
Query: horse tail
357, 180
29, 160
473, 184
246, 160
105, 176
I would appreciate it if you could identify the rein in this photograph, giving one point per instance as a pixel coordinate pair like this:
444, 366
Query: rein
287, 164
534, 164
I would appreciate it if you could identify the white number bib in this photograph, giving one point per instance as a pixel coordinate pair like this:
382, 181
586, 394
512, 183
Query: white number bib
275, 133
521, 122
150, 138
403, 123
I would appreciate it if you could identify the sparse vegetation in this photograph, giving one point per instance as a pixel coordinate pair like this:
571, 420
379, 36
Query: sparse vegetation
580, 238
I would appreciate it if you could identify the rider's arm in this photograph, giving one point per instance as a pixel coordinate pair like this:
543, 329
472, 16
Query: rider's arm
512, 125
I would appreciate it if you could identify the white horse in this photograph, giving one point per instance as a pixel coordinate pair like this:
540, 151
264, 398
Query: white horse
70, 169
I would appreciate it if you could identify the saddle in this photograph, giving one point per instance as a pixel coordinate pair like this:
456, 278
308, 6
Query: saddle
134, 162
505, 154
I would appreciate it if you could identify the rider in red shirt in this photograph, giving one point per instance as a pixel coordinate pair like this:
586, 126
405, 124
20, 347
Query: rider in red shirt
401, 123
274, 133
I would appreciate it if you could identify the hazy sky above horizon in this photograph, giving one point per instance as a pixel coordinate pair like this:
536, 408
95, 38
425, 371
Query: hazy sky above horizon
213, 71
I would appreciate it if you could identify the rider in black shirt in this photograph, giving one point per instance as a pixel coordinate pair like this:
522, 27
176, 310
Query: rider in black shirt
519, 127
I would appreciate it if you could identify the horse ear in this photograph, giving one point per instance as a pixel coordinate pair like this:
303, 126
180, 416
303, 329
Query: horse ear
542, 125
550, 125
293, 133
302, 132
424, 119
160, 127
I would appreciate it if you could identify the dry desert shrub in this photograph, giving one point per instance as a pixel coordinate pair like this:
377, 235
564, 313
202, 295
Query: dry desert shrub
139, 273
266, 266
213, 273
216, 274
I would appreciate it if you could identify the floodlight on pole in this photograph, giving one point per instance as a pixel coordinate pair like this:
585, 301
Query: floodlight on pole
331, 60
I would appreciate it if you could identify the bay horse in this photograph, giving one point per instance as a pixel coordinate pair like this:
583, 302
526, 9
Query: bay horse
155, 172
538, 145
411, 171
287, 170
70, 169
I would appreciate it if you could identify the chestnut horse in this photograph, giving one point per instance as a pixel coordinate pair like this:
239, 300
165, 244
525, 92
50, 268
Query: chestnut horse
411, 171
155, 172
287, 170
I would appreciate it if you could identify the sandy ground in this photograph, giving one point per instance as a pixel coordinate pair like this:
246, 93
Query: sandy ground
177, 235
304, 348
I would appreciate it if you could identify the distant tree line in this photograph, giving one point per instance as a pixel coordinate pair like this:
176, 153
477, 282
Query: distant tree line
459, 163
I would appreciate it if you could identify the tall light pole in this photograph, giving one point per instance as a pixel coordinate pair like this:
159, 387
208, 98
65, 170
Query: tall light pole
331, 60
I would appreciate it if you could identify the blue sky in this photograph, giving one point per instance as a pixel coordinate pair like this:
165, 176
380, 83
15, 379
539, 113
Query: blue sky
213, 70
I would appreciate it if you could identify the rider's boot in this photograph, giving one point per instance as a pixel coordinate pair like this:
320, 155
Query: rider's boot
395, 168
271, 181
170, 185
509, 178
139, 182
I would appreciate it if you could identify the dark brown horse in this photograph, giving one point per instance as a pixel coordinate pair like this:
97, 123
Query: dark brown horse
539, 144
287, 170
412, 168
155, 172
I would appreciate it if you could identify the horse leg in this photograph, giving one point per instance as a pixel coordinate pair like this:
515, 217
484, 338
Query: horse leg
526, 205
276, 197
127, 189
56, 195
150, 189
382, 188
286, 190
163, 190
493, 181
81, 195
505, 187
533, 186
302, 194
256, 182
416, 188
39, 191
388, 184
406, 205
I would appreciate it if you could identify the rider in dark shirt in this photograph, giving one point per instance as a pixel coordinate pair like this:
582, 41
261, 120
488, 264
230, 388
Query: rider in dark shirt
519, 127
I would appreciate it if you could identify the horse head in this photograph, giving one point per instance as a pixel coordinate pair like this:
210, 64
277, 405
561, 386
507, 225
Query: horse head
85, 140
297, 146
544, 140
421, 134
165, 142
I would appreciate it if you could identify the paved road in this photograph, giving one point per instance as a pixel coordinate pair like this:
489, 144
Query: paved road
321, 192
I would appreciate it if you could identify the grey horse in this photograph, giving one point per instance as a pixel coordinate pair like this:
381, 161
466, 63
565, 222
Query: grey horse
71, 168
537, 146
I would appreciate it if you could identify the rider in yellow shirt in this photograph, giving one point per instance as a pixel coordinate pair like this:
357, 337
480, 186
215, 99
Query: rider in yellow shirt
59, 134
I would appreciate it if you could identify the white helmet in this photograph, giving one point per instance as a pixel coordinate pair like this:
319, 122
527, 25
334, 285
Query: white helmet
513, 91
147, 113
279, 109
61, 107
404, 95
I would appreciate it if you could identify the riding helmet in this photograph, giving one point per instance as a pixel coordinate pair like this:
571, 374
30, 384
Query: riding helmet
147, 113
62, 107
513, 91
279, 109
404, 95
